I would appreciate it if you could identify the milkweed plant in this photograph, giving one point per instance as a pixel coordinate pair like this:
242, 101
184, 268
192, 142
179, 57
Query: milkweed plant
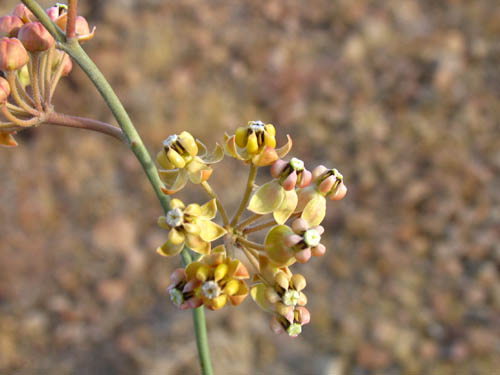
222, 262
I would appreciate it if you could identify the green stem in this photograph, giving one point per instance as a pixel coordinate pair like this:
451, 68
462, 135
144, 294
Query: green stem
205, 185
72, 47
246, 197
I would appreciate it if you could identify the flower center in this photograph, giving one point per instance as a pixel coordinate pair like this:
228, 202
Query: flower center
297, 164
175, 217
294, 329
211, 289
257, 126
312, 238
291, 297
176, 297
170, 141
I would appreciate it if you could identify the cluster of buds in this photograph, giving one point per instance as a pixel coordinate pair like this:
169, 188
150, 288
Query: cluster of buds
293, 194
31, 65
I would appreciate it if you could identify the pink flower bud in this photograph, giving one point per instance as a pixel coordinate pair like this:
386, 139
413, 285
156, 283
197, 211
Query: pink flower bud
194, 302
318, 171
299, 226
305, 178
190, 286
327, 184
10, 25
4, 90
290, 181
68, 65
278, 167
23, 13
55, 12
292, 240
318, 251
339, 193
319, 229
13, 55
304, 255
35, 37
177, 276
303, 315
81, 26
276, 326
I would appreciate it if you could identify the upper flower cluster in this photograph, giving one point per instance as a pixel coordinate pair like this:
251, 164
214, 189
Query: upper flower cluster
294, 193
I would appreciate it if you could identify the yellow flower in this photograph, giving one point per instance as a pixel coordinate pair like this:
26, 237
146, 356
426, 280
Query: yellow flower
219, 279
256, 143
190, 226
183, 158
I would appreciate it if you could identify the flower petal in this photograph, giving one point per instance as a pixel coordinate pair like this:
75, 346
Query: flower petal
216, 156
210, 231
209, 210
197, 244
315, 210
286, 148
176, 237
276, 250
174, 179
7, 140
170, 249
286, 208
232, 150
163, 161
258, 293
267, 198
238, 270
198, 172
266, 157
240, 295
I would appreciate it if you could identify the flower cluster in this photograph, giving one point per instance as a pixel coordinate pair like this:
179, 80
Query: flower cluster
31, 66
294, 194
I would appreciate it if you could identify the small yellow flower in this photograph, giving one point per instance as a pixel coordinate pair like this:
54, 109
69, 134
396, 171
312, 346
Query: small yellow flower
256, 143
190, 226
183, 158
219, 279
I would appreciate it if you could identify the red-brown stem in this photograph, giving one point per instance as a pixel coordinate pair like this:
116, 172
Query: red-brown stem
70, 25
85, 123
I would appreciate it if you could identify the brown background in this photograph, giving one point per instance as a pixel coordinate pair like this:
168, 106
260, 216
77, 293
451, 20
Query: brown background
402, 96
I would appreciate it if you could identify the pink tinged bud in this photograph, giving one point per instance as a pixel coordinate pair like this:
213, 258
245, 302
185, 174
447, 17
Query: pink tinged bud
290, 181
35, 37
194, 302
302, 299
299, 282
68, 65
292, 240
327, 184
4, 90
13, 55
23, 13
302, 315
276, 326
319, 229
82, 26
318, 171
285, 311
278, 167
305, 178
190, 286
299, 226
318, 251
53, 13
304, 255
271, 295
10, 25
339, 193
177, 276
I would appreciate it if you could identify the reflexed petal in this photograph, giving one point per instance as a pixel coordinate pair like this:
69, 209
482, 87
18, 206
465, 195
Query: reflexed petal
286, 208
276, 250
176, 237
209, 210
314, 212
216, 156
210, 231
258, 293
191, 228
267, 198
174, 180
266, 157
7, 140
169, 249
196, 244
202, 149
238, 270
286, 148
232, 150
240, 295
176, 203
198, 172
215, 257
193, 209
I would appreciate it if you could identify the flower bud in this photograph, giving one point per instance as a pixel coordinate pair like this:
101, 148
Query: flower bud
68, 65
299, 226
327, 184
278, 167
302, 315
304, 255
4, 90
10, 25
13, 55
57, 11
292, 240
35, 37
81, 26
318, 251
177, 276
339, 193
318, 171
290, 181
282, 280
276, 326
271, 295
23, 13
299, 282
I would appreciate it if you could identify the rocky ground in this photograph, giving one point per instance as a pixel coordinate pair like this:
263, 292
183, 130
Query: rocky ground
402, 96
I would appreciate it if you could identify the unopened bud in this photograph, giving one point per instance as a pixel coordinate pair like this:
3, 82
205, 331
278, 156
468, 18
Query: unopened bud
318, 251
13, 55
302, 315
271, 295
327, 184
305, 178
10, 25
282, 280
299, 282
304, 255
35, 37
56, 11
290, 181
81, 26
299, 226
339, 193
23, 13
318, 171
4, 90
278, 167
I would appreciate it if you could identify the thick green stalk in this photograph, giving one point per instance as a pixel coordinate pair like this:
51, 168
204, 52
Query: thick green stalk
73, 48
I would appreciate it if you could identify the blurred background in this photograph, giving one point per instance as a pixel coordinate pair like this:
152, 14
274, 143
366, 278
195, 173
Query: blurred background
402, 96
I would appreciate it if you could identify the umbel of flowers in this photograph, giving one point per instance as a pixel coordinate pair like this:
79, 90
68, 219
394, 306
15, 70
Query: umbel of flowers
290, 207
31, 67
